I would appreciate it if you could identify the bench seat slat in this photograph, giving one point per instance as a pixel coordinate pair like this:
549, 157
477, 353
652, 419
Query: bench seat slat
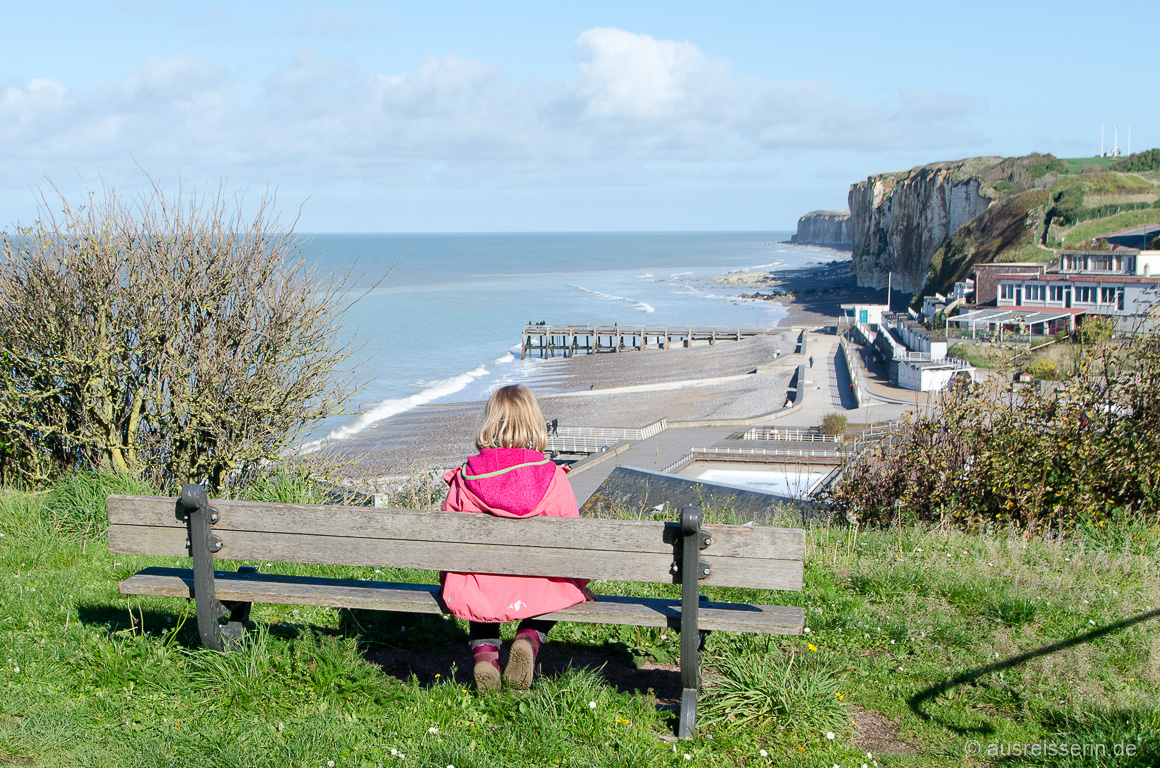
464, 527
421, 598
474, 558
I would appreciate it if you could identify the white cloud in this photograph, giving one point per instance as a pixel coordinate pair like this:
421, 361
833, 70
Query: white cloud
626, 76
636, 110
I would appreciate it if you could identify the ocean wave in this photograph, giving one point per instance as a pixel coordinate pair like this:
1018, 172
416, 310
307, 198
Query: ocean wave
388, 408
639, 306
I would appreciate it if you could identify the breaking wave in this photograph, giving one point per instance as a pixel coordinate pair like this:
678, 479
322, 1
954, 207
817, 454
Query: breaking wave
639, 306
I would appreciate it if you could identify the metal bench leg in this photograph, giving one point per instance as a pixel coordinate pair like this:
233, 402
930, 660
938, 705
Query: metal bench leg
691, 571
194, 509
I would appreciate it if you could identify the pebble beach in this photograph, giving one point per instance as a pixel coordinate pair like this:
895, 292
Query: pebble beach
627, 389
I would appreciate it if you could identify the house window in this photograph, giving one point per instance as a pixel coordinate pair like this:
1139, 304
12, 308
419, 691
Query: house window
1085, 294
1035, 292
1008, 291
1120, 299
1107, 295
1057, 293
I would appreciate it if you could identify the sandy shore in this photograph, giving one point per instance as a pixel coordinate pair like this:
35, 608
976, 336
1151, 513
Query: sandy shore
812, 295
624, 389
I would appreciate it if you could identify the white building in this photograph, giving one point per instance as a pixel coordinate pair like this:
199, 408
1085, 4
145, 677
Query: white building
866, 314
1121, 284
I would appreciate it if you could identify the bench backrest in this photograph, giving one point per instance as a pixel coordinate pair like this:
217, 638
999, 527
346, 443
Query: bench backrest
619, 550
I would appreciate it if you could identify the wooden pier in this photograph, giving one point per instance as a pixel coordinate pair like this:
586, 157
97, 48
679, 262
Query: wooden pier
590, 339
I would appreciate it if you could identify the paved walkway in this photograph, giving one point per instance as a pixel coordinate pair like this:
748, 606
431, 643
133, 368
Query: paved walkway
826, 390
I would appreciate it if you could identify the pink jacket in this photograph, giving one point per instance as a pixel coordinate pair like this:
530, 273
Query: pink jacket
509, 482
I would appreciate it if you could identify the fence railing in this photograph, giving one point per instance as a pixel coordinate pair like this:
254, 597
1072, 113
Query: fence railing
566, 444
852, 369
788, 435
609, 433
679, 464
776, 452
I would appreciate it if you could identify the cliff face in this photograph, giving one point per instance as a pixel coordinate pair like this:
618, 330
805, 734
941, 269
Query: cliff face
824, 228
899, 220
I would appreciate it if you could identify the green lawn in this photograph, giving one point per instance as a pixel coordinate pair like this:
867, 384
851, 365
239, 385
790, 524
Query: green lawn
1082, 233
1076, 164
927, 639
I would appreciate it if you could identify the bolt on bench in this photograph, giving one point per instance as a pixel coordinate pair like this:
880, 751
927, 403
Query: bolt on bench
593, 548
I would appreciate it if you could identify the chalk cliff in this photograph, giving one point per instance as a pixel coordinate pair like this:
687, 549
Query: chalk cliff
830, 228
899, 220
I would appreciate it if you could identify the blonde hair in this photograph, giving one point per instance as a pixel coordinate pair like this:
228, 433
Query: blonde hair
512, 419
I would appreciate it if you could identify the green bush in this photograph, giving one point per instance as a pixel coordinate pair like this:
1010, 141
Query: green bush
1045, 459
795, 694
1148, 160
1042, 368
833, 424
180, 336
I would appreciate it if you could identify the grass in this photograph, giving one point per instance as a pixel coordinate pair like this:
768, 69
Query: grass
1077, 164
1113, 183
939, 637
1083, 233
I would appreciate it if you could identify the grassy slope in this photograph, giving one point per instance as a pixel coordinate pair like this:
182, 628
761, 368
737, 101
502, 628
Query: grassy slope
1009, 230
92, 678
1004, 232
1082, 234
1077, 164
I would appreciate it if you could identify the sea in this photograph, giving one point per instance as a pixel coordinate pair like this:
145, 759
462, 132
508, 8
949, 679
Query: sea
438, 317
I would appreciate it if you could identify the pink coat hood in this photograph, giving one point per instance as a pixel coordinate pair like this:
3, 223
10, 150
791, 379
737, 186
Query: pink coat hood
509, 482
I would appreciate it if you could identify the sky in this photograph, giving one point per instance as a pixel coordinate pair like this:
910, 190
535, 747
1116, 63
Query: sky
594, 116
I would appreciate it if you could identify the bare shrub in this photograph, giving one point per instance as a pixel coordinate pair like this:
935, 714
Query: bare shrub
170, 334
998, 455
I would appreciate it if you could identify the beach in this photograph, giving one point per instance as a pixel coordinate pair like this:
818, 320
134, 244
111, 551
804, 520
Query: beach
812, 295
627, 389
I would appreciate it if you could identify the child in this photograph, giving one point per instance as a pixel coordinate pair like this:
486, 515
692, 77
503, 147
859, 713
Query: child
509, 477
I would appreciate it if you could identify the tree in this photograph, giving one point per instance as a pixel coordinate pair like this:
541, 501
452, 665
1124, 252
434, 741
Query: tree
173, 334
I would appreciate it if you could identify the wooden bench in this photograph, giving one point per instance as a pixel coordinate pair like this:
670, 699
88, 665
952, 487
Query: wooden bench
593, 548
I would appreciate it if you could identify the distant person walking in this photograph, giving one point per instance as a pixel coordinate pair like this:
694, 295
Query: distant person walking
811, 361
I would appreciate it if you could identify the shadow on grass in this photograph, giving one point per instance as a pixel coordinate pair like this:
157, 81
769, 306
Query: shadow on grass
433, 650
425, 647
1094, 736
920, 699
178, 627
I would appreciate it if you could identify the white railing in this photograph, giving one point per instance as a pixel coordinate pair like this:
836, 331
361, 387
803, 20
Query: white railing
609, 433
852, 369
800, 453
679, 464
568, 444
788, 435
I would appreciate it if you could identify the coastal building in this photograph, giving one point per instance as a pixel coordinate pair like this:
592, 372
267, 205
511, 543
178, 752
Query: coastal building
936, 304
1122, 284
917, 359
865, 314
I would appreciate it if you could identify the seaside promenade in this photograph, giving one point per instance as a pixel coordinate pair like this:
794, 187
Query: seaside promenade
825, 389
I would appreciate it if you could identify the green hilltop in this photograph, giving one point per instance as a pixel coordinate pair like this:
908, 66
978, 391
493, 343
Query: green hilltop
1041, 203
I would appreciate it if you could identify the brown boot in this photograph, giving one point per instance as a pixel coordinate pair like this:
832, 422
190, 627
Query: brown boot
486, 667
521, 664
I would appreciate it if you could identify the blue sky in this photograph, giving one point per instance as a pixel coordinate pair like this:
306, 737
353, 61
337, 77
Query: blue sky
554, 116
